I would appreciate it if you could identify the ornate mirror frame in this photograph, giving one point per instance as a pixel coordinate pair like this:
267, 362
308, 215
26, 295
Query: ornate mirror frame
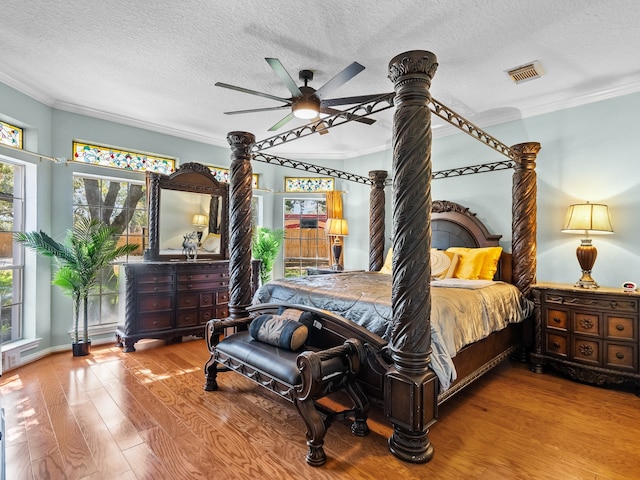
192, 178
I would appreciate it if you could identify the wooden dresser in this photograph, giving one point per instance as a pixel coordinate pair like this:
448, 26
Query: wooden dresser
168, 300
589, 334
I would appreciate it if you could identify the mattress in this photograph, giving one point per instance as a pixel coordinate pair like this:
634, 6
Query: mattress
462, 311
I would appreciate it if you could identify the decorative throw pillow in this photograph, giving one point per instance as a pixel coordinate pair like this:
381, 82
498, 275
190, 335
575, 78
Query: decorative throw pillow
212, 243
440, 262
470, 262
388, 262
278, 330
455, 258
490, 262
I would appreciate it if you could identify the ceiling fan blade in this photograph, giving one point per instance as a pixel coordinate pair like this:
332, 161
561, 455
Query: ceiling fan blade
356, 118
284, 76
279, 125
253, 110
357, 100
252, 92
340, 79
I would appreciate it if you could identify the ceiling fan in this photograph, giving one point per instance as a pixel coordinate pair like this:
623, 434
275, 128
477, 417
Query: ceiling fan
306, 102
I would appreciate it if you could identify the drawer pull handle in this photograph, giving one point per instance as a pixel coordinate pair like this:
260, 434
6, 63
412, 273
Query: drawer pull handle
556, 345
619, 356
586, 350
614, 304
620, 328
189, 286
155, 305
556, 319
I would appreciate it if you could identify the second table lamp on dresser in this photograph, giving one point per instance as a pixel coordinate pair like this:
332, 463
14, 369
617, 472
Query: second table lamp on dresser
587, 219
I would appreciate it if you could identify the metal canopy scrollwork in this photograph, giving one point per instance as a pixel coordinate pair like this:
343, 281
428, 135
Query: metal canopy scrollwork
308, 167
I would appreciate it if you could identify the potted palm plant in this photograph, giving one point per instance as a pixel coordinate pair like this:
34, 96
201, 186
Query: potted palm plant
265, 247
89, 247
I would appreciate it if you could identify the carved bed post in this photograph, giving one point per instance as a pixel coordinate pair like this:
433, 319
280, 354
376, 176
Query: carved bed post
523, 214
411, 388
240, 192
376, 219
153, 188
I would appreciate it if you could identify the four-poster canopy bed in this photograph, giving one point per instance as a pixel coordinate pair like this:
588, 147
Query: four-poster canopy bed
396, 370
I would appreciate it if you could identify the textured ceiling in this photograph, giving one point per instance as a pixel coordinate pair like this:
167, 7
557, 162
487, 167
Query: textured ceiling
154, 64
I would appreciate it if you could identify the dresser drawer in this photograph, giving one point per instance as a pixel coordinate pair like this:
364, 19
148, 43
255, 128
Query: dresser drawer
586, 350
621, 355
556, 344
207, 299
222, 297
187, 300
623, 328
585, 323
154, 303
155, 288
187, 318
157, 321
200, 285
557, 319
203, 276
159, 278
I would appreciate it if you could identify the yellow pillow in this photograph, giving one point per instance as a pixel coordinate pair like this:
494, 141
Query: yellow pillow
477, 263
470, 262
388, 262
490, 263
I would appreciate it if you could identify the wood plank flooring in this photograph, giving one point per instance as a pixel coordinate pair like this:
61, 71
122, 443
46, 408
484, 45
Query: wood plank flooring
144, 415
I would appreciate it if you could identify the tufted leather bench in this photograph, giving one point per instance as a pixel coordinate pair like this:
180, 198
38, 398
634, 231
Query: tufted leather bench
302, 377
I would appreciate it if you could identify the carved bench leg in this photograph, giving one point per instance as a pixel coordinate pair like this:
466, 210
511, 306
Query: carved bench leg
211, 372
359, 426
316, 431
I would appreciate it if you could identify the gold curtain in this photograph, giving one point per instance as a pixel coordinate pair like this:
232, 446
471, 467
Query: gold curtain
334, 210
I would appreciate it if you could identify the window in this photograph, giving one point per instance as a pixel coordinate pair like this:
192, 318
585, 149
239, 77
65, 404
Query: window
305, 243
11, 260
121, 204
309, 184
10, 135
112, 157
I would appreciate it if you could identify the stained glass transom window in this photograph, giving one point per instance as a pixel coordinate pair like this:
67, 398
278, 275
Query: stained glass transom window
309, 184
10, 135
111, 157
222, 175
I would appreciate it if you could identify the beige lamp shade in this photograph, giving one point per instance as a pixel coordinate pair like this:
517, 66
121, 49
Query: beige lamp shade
337, 226
199, 220
587, 218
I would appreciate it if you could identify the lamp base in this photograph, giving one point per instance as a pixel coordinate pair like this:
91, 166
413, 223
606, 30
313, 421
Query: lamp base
337, 252
586, 281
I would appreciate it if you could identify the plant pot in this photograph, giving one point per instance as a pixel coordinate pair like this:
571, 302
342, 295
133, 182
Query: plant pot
80, 349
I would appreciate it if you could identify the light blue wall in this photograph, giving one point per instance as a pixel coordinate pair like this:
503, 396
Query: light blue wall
587, 154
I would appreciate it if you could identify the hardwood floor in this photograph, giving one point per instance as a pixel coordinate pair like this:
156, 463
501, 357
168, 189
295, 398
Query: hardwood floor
144, 415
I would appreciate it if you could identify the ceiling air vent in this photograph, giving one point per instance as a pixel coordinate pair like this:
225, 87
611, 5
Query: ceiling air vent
527, 72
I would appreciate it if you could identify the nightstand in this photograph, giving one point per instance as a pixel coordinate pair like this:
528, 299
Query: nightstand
591, 335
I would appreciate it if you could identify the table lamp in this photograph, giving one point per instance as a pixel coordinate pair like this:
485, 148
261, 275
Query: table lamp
199, 221
338, 228
587, 218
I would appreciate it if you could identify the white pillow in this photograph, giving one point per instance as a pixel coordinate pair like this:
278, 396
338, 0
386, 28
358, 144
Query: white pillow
211, 243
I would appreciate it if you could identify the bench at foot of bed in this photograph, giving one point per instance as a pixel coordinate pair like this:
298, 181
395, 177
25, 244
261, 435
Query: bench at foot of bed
301, 376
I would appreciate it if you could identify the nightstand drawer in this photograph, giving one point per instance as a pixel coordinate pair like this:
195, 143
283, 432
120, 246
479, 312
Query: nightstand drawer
556, 345
619, 355
620, 328
586, 324
586, 350
557, 319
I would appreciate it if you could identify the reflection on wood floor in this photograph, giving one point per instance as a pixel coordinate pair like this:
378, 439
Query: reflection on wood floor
145, 415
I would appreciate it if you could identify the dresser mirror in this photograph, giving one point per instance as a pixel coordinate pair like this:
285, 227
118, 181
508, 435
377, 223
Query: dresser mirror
188, 203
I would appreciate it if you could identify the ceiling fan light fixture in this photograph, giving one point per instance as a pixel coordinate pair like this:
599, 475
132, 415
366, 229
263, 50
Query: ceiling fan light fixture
306, 108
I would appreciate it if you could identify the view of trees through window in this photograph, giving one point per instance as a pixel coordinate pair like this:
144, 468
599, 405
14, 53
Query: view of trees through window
305, 243
121, 204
